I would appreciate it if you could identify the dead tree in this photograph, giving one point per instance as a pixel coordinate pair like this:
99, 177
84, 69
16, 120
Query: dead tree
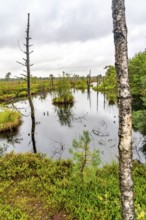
125, 115
27, 64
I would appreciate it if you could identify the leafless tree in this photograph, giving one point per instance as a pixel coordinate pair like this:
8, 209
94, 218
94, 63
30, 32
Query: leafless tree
125, 119
27, 76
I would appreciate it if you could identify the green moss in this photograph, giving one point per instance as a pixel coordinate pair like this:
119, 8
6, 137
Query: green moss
7, 97
9, 120
22, 94
69, 99
39, 188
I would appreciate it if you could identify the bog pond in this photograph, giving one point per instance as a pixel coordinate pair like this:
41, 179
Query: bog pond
57, 126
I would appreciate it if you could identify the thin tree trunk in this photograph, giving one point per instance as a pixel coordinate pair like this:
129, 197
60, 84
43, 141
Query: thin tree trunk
29, 85
125, 119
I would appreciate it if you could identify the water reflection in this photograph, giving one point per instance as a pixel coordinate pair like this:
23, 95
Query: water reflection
144, 148
111, 97
11, 139
43, 96
97, 100
55, 127
33, 123
89, 96
104, 100
33, 134
65, 114
140, 125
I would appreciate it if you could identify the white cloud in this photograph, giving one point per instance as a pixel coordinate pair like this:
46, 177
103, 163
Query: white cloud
72, 36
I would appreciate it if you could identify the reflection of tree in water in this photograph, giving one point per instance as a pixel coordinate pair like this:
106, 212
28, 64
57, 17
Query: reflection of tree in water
65, 114
144, 148
139, 124
97, 100
33, 128
43, 96
111, 96
11, 139
89, 96
58, 149
137, 103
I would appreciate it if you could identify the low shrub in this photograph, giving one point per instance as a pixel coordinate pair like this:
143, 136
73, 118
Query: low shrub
39, 188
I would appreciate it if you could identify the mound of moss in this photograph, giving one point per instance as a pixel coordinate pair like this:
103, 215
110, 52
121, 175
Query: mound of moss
9, 120
34, 187
68, 99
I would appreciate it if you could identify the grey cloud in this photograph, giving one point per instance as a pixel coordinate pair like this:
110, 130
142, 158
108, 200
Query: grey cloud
84, 22
54, 21
83, 25
135, 12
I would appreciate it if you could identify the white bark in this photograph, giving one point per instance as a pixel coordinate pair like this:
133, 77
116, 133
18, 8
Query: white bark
125, 119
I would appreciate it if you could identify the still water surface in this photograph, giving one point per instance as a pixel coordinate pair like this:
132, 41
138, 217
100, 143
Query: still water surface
56, 127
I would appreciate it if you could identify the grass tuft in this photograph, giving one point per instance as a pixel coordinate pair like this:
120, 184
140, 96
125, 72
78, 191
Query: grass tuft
9, 120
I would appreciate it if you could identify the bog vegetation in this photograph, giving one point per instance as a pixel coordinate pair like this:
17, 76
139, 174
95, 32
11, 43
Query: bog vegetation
35, 187
63, 94
9, 120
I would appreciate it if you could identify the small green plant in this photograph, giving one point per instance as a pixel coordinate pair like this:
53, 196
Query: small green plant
63, 93
86, 161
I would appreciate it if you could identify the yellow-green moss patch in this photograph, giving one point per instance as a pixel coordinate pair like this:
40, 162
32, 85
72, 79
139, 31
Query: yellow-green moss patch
9, 120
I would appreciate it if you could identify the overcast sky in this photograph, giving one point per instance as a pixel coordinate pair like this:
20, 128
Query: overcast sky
72, 36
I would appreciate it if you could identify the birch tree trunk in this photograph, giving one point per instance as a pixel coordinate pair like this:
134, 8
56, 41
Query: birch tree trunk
125, 119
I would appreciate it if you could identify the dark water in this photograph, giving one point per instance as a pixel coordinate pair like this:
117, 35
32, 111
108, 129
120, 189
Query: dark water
56, 127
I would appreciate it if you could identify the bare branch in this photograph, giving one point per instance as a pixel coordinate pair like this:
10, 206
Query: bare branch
21, 63
31, 52
17, 77
28, 45
23, 75
20, 47
18, 110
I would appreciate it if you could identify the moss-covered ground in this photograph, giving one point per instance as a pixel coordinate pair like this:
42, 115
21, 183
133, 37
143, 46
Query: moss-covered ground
9, 120
35, 187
